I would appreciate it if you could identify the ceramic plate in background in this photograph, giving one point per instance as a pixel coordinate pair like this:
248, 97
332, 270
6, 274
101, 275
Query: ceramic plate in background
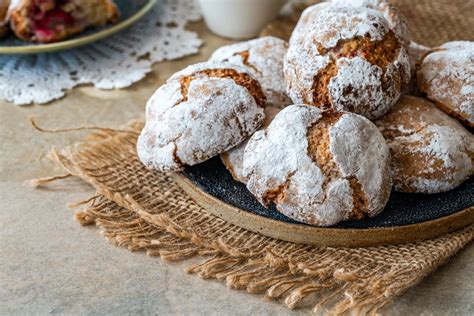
130, 12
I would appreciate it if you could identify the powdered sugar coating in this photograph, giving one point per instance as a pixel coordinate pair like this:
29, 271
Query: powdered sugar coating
263, 58
447, 77
335, 23
194, 68
360, 150
277, 158
301, 64
395, 18
305, 21
358, 86
365, 80
416, 53
431, 152
217, 115
462, 45
234, 158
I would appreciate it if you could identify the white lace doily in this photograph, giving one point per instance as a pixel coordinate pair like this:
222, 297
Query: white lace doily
115, 62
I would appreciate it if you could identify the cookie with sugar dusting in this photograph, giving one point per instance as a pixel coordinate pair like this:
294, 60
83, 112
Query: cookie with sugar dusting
447, 77
395, 18
233, 159
263, 58
416, 53
305, 21
200, 112
349, 61
431, 152
319, 167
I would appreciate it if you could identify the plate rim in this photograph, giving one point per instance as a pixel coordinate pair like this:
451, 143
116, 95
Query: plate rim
324, 236
71, 43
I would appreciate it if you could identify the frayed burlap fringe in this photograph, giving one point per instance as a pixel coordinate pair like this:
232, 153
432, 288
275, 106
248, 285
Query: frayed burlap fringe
145, 210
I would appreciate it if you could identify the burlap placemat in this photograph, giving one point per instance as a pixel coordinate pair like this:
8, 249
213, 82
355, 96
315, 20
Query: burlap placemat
145, 210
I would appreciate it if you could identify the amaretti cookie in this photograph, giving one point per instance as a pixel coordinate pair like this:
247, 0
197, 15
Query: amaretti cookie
200, 112
349, 61
303, 25
431, 152
395, 18
233, 159
263, 58
416, 53
447, 77
319, 167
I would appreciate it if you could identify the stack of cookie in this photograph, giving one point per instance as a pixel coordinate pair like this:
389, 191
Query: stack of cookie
321, 127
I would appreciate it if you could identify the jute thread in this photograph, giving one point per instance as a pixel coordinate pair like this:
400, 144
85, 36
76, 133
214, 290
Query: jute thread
144, 210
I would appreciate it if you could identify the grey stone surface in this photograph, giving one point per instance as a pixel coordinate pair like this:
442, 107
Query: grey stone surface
49, 264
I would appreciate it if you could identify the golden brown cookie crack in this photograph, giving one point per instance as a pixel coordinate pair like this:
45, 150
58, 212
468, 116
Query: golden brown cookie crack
379, 53
245, 55
176, 158
320, 153
359, 200
277, 194
241, 79
321, 96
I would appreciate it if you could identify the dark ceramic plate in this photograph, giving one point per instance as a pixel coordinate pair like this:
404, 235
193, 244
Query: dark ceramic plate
406, 218
402, 208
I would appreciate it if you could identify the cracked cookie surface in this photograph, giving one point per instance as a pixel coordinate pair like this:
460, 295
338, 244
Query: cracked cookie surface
349, 60
395, 18
446, 75
263, 58
431, 152
200, 112
233, 159
319, 167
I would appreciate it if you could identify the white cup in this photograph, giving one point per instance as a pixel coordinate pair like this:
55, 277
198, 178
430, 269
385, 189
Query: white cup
239, 19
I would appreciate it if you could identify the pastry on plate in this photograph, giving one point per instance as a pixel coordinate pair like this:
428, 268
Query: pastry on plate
305, 22
47, 21
350, 60
447, 77
233, 159
200, 112
319, 167
4, 17
263, 57
431, 151
416, 53
395, 18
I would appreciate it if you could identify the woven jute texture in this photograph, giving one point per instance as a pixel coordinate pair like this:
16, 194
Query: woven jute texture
144, 210
432, 22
